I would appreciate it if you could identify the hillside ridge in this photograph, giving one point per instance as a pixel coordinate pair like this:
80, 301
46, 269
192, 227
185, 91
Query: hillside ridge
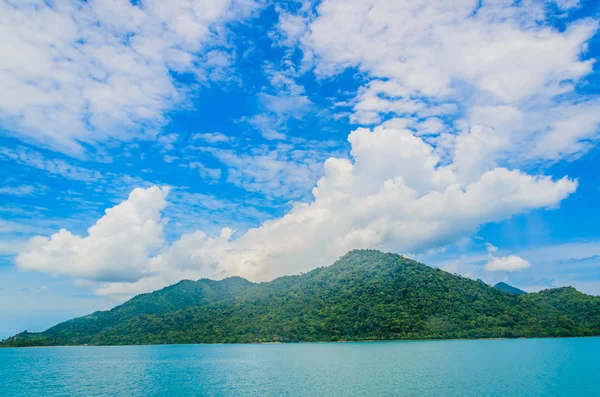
364, 295
509, 288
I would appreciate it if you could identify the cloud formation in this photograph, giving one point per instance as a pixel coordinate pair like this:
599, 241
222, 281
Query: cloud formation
498, 48
118, 247
510, 263
497, 66
22, 190
283, 101
81, 72
392, 194
470, 91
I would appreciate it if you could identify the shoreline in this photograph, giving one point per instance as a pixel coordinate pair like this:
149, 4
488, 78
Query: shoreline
310, 342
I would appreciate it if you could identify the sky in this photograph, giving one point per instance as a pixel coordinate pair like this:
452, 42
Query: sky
143, 142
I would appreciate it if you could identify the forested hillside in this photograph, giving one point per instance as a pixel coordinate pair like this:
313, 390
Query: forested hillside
365, 295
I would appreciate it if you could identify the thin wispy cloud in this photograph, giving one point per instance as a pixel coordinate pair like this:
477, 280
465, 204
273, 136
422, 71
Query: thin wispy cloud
84, 72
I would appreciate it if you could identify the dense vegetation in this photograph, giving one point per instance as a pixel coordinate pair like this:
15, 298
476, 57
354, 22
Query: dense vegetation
365, 295
509, 288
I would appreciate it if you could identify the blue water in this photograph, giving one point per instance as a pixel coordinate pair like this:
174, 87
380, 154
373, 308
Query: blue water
525, 367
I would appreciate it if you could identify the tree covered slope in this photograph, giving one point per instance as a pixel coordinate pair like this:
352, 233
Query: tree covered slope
365, 295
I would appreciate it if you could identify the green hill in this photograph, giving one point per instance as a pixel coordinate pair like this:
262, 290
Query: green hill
509, 288
365, 295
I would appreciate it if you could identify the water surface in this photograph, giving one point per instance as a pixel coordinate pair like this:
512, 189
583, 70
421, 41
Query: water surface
523, 367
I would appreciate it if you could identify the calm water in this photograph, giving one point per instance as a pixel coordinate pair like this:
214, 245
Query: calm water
534, 367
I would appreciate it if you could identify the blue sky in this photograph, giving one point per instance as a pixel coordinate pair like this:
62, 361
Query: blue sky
145, 142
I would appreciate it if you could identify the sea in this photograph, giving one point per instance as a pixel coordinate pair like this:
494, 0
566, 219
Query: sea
517, 367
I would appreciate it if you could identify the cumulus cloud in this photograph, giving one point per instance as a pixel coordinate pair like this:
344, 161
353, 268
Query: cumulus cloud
510, 263
481, 87
118, 247
392, 194
493, 68
80, 72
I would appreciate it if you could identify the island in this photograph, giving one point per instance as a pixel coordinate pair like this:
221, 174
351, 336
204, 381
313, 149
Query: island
366, 295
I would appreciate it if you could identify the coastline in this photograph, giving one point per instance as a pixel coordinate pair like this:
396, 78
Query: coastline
311, 342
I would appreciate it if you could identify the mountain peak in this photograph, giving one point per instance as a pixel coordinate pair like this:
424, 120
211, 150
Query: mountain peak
509, 288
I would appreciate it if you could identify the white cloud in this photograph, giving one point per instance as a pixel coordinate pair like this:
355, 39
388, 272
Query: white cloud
283, 100
510, 263
166, 141
491, 247
269, 125
566, 4
290, 28
22, 190
556, 265
188, 212
169, 159
119, 247
392, 195
35, 159
211, 137
483, 88
81, 72
537, 132
166, 144
505, 77
427, 47
287, 171
212, 174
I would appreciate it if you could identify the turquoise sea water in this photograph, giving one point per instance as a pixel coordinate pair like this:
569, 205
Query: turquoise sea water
524, 367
